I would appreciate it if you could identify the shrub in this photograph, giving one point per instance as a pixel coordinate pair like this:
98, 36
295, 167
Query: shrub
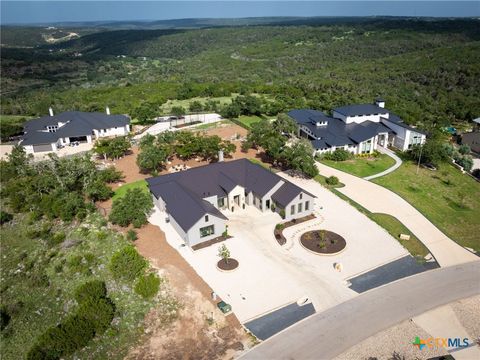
332, 180
464, 149
133, 207
132, 235
5, 217
94, 289
338, 155
466, 162
4, 317
147, 286
58, 238
279, 226
282, 213
127, 264
98, 311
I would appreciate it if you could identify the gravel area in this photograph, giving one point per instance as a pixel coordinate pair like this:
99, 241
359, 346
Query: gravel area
394, 343
468, 313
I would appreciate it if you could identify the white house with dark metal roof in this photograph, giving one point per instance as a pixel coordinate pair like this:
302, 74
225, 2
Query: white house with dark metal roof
356, 128
49, 133
194, 199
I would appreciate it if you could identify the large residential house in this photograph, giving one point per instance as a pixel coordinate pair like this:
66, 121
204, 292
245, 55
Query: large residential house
194, 199
472, 138
356, 128
49, 133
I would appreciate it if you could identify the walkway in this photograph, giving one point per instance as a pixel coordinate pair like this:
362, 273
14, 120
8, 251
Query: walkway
378, 199
394, 156
329, 333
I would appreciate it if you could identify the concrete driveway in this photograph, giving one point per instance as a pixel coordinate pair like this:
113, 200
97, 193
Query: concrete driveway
328, 334
378, 199
271, 276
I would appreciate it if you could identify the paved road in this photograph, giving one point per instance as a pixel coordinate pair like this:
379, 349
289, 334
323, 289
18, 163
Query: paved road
329, 333
394, 156
378, 199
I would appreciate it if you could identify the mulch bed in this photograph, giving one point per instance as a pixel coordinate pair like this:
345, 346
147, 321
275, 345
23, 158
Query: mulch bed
334, 243
223, 265
279, 232
210, 242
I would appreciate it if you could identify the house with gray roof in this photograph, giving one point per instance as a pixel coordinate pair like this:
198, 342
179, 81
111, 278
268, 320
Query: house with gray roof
49, 133
196, 200
356, 128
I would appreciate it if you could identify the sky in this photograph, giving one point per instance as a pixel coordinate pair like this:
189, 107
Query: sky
26, 12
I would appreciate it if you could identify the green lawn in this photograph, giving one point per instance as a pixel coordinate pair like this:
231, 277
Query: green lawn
142, 184
448, 198
167, 107
395, 228
248, 121
322, 180
362, 167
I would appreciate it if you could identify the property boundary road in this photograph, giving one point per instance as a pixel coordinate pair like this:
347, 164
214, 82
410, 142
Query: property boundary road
331, 332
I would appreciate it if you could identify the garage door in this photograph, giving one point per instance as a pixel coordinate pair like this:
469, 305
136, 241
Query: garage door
42, 147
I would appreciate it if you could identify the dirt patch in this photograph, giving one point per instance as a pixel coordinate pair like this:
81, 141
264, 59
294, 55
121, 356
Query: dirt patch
227, 265
330, 243
201, 331
225, 131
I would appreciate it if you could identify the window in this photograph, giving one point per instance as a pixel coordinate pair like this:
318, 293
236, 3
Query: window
206, 218
207, 230
300, 207
307, 205
221, 202
301, 196
292, 210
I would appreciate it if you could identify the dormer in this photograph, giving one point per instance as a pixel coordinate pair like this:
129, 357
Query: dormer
319, 122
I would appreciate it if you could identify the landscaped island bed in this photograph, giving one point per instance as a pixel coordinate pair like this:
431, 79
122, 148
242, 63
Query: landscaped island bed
448, 198
328, 243
278, 232
227, 264
362, 166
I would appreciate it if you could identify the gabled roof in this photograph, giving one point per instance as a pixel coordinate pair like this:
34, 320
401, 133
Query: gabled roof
360, 109
185, 207
286, 193
337, 132
184, 192
76, 123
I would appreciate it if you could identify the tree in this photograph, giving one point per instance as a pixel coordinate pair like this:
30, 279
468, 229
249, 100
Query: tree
132, 208
145, 111
464, 149
299, 157
127, 264
224, 253
112, 148
177, 111
284, 124
151, 158
195, 106
433, 152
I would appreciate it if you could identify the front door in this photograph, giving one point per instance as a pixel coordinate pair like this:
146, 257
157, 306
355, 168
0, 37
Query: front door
267, 204
236, 199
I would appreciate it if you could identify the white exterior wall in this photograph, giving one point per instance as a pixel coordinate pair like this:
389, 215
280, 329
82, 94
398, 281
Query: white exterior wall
119, 131
193, 235
212, 200
268, 195
28, 149
359, 119
236, 191
295, 202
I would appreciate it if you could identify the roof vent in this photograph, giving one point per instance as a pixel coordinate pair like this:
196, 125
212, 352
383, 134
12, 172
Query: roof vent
50, 111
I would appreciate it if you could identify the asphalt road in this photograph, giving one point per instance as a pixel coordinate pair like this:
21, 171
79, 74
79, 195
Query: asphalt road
333, 331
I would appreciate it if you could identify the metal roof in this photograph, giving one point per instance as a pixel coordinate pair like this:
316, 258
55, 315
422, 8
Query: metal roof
76, 123
215, 179
286, 193
360, 109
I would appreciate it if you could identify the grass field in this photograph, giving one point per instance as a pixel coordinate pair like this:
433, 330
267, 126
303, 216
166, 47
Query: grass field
448, 198
248, 121
212, 125
362, 167
167, 107
121, 191
39, 277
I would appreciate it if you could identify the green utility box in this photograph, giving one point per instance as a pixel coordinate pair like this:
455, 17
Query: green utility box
224, 307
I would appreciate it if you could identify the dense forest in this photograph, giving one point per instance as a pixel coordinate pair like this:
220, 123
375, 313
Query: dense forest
426, 69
